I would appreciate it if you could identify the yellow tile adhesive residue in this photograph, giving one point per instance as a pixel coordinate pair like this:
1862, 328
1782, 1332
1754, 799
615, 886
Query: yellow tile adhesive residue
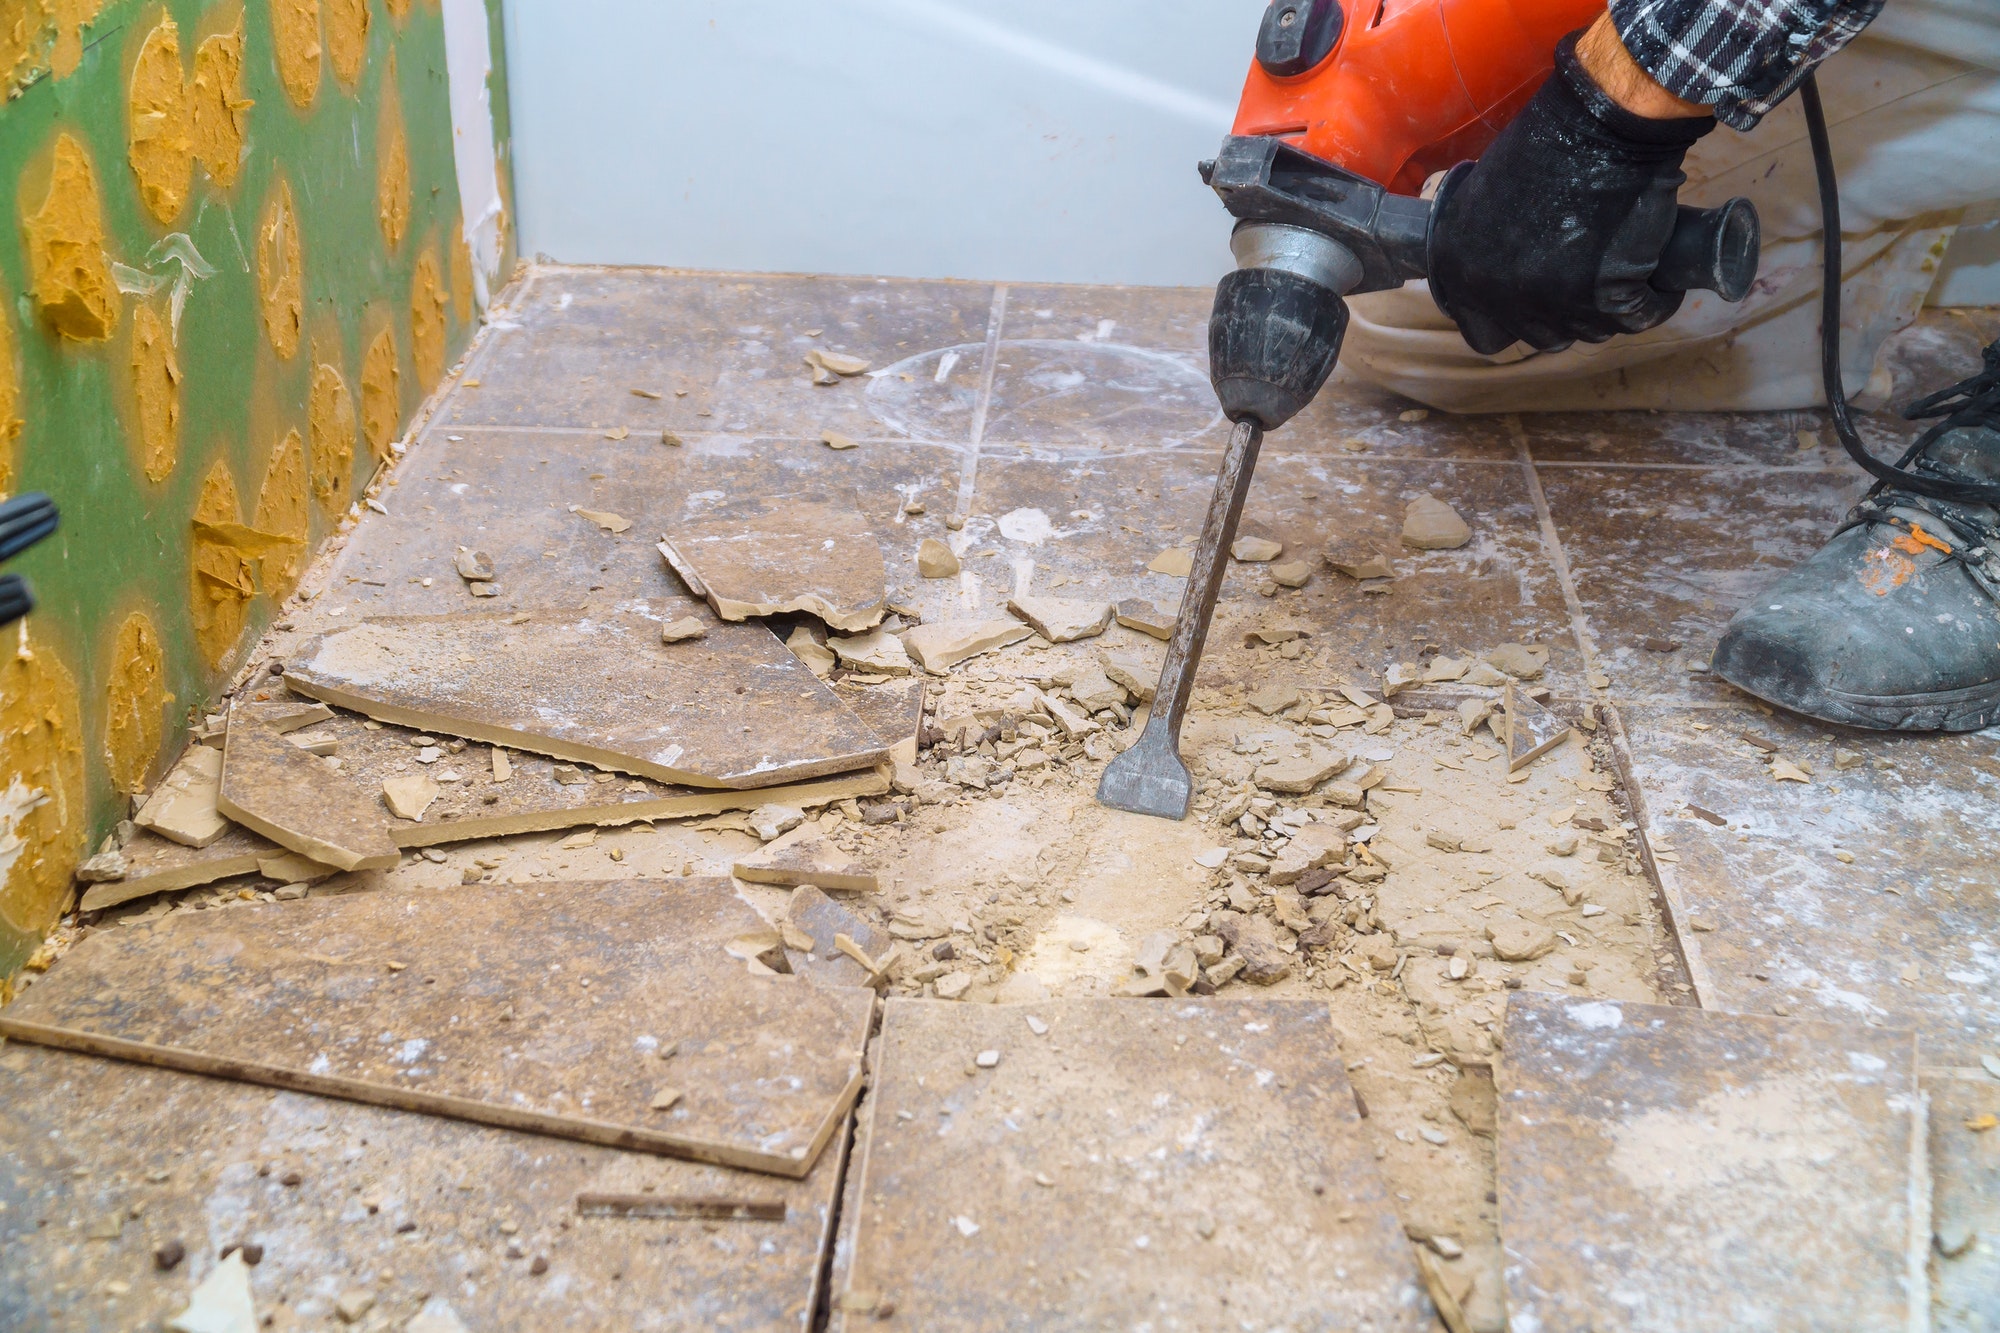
156, 391
10, 399
159, 124
220, 579
282, 511
295, 37
347, 39
381, 394
461, 277
71, 18
398, 9
135, 703
280, 271
26, 32
72, 277
42, 818
427, 301
392, 164
220, 108
330, 420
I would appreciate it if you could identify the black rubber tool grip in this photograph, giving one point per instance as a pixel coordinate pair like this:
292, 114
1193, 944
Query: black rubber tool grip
1711, 250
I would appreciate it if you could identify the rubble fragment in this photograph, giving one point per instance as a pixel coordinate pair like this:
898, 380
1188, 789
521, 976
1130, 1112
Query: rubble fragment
939, 645
682, 630
877, 651
1063, 619
935, 560
1255, 550
1176, 563
1139, 614
1429, 524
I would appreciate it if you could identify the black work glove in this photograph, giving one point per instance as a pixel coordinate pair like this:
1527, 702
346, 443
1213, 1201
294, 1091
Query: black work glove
1552, 234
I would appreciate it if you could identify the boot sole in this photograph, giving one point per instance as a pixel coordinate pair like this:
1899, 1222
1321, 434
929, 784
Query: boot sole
1973, 708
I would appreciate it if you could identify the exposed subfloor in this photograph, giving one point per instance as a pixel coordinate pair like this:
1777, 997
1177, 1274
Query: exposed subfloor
1073, 431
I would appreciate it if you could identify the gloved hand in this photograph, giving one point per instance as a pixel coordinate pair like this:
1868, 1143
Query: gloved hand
1552, 234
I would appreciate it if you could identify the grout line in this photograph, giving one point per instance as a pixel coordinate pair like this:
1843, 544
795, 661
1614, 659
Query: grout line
1613, 723
994, 320
1579, 624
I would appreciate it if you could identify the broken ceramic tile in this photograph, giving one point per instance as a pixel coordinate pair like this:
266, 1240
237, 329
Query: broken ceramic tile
682, 630
408, 796
1516, 661
1291, 573
1296, 775
939, 645
806, 856
1532, 730
1140, 676
837, 947
877, 651
1429, 524
1255, 550
1358, 561
1063, 619
300, 995
183, 806
935, 560
1176, 563
567, 689
762, 555
1141, 615
272, 787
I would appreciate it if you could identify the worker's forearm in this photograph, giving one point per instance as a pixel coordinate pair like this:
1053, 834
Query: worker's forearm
1613, 69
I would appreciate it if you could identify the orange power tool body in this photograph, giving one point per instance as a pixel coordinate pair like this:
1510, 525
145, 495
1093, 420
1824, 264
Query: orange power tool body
1346, 112
1402, 88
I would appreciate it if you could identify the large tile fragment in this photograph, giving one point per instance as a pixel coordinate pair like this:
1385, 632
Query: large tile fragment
429, 1002
1135, 1165
1665, 1169
742, 712
272, 787
159, 865
762, 555
415, 1210
182, 807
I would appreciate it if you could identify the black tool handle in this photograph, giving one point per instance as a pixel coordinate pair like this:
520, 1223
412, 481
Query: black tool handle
16, 598
25, 520
1711, 250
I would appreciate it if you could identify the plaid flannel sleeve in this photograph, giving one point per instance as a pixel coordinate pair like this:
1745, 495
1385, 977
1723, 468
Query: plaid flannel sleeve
1741, 57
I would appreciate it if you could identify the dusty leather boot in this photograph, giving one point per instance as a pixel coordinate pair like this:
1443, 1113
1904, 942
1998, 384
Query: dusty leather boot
1894, 624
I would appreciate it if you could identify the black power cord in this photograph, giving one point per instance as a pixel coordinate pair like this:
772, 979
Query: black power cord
1885, 474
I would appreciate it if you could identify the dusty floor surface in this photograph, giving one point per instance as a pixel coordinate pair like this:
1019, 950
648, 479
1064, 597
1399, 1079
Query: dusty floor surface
1070, 437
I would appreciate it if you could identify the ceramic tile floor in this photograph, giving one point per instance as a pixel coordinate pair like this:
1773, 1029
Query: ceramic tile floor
1084, 436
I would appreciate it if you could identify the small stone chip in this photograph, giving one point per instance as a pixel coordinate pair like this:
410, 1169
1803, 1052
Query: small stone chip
833, 439
986, 1059
665, 1099
680, 631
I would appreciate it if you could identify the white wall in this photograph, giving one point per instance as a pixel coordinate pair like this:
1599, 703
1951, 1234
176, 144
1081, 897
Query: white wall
1032, 140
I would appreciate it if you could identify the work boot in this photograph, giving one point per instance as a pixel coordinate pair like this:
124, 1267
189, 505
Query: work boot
1895, 624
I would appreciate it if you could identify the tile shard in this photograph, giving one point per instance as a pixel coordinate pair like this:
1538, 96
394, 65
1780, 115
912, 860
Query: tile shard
1532, 730
942, 644
806, 856
1063, 619
769, 555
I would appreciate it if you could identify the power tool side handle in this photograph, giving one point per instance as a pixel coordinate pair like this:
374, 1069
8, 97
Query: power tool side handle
1710, 250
